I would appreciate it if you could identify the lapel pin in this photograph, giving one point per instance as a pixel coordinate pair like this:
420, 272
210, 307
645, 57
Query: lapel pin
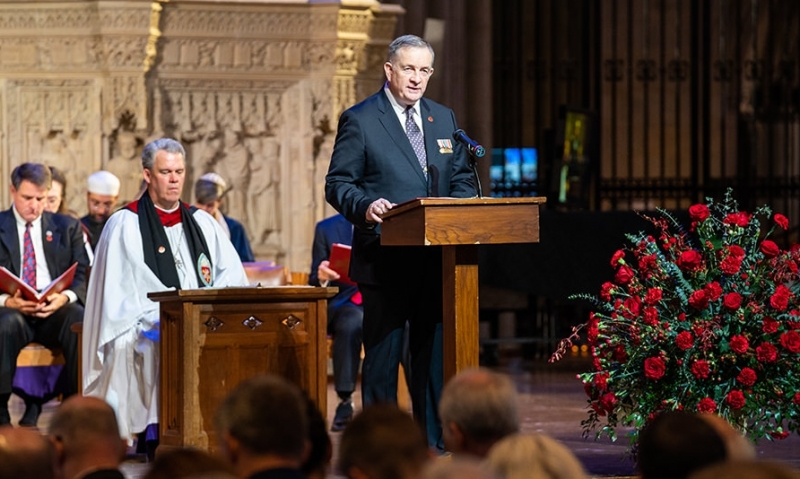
430, 119
48, 235
161, 249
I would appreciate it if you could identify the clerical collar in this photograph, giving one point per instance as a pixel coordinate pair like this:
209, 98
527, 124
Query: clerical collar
169, 217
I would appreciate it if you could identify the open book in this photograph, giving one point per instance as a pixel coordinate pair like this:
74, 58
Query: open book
10, 283
340, 262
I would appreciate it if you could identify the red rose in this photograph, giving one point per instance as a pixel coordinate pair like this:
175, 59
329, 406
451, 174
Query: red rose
769, 325
781, 220
780, 298
690, 260
633, 306
796, 399
605, 291
793, 324
713, 291
650, 316
735, 399
730, 264
607, 401
732, 301
766, 353
700, 369
769, 248
624, 275
699, 212
739, 219
698, 299
618, 255
747, 377
654, 368
791, 341
739, 344
706, 405
682, 317
601, 381
653, 296
684, 340
647, 263
620, 355
779, 435
736, 250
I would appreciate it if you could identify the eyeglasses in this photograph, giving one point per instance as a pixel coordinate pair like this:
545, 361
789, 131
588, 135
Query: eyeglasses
408, 71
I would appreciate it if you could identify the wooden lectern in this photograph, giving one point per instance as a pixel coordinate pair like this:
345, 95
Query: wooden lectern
459, 226
212, 339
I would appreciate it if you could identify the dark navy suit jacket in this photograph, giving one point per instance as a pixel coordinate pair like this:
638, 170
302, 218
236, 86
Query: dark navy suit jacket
62, 247
372, 158
239, 240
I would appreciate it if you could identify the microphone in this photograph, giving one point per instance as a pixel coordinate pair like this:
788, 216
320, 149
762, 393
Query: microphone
474, 148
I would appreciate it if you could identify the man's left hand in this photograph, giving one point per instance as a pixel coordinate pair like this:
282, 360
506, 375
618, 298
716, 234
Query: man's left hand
51, 305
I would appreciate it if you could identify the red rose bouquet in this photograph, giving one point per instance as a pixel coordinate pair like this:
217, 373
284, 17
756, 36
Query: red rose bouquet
702, 320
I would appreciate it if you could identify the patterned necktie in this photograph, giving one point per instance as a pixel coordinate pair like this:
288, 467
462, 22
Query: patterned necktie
28, 259
417, 142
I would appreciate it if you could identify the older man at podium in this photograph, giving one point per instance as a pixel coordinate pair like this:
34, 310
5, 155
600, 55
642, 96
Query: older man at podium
154, 244
393, 147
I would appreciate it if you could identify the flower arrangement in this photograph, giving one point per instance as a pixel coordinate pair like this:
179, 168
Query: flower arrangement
702, 320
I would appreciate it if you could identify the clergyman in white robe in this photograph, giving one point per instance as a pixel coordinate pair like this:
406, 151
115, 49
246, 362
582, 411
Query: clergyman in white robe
120, 327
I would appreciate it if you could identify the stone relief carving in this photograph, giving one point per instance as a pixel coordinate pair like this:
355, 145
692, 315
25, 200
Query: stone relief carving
232, 82
126, 164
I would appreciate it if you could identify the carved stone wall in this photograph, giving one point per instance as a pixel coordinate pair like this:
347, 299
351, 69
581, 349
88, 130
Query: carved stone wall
252, 90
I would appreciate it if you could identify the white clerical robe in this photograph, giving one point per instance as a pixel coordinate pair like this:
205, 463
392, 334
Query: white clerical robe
120, 326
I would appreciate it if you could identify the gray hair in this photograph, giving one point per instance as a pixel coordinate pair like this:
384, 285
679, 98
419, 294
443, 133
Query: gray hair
482, 403
162, 144
407, 41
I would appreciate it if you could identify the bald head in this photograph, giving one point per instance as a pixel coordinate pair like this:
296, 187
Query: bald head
86, 435
25, 453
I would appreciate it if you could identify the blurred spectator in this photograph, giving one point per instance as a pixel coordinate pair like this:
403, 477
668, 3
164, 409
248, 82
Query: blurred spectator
85, 434
464, 467
751, 469
25, 453
189, 463
383, 442
520, 456
478, 408
675, 444
263, 428
315, 465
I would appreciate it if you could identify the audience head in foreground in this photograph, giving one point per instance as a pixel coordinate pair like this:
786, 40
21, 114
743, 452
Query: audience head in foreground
465, 467
477, 409
383, 442
85, 434
676, 443
24, 453
737, 446
751, 469
263, 426
189, 463
520, 456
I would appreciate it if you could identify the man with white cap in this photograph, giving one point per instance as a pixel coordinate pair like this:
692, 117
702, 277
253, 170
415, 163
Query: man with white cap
209, 191
101, 198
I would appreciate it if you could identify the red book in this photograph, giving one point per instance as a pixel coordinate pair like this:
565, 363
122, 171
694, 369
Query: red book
340, 262
10, 283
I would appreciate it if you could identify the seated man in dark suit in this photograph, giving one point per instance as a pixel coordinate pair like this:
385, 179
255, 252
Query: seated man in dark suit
38, 247
345, 314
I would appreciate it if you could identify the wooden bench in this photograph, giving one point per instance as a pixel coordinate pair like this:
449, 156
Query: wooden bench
34, 354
